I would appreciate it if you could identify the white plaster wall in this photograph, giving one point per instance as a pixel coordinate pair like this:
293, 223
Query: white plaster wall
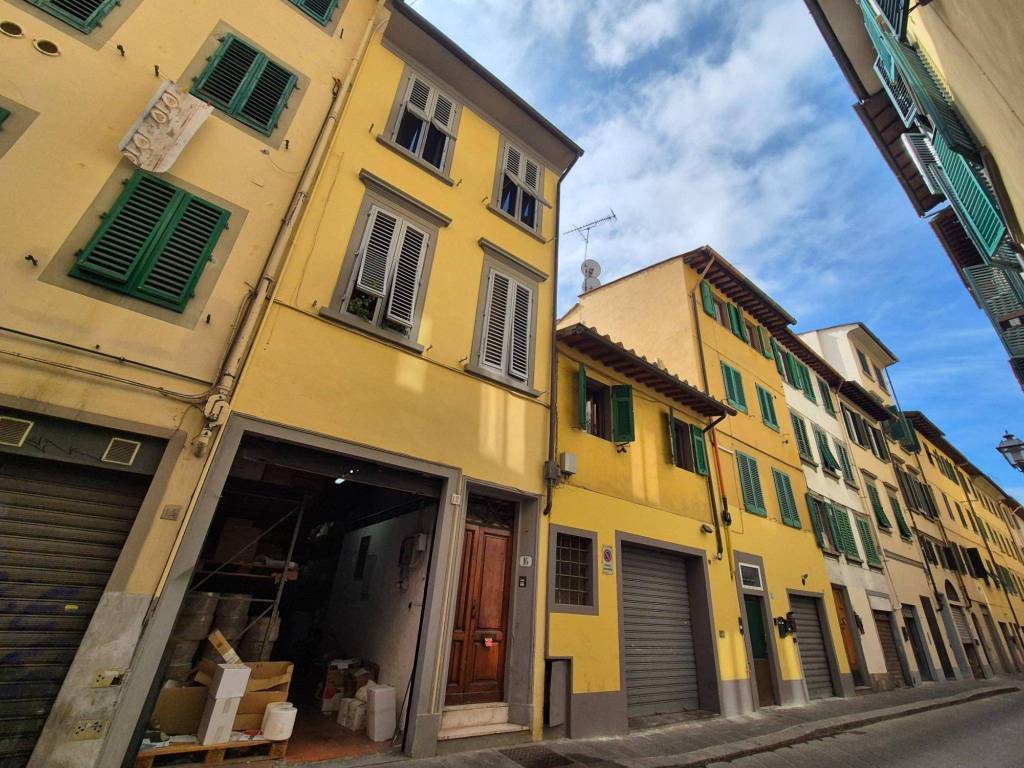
382, 627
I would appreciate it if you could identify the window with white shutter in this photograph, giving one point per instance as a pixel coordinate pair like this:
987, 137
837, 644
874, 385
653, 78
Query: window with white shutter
425, 123
520, 187
388, 273
506, 343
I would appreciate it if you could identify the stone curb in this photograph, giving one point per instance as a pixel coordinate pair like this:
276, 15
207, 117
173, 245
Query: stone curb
799, 734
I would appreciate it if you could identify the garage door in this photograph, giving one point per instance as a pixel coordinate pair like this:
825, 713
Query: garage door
890, 652
661, 670
61, 530
811, 644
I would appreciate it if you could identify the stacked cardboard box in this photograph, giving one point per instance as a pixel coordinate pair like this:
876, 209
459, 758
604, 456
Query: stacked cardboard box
226, 689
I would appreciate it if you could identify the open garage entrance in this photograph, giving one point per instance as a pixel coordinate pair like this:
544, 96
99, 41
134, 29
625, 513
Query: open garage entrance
314, 568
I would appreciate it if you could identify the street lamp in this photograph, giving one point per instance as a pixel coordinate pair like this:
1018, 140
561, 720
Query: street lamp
1012, 449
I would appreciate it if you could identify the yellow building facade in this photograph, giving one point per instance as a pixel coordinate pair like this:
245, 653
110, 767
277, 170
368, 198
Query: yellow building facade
720, 337
129, 276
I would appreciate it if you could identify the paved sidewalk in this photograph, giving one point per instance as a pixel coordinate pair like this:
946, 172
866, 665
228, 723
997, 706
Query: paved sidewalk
701, 742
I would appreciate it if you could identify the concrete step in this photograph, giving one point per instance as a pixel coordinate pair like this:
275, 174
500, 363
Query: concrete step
468, 715
473, 731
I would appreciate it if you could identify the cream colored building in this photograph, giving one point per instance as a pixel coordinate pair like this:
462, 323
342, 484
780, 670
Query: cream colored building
938, 87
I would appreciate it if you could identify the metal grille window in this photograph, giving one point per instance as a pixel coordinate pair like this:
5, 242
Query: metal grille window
245, 84
83, 15
574, 570
153, 244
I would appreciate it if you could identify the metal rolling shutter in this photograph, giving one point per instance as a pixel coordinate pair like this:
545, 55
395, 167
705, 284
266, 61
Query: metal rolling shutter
890, 652
960, 620
661, 668
811, 644
63, 529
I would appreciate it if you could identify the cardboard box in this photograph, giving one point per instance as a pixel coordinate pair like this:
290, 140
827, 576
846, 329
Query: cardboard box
218, 720
180, 710
237, 534
229, 681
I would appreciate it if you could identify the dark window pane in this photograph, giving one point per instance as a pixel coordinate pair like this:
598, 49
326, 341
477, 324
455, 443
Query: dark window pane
509, 190
529, 213
409, 132
433, 149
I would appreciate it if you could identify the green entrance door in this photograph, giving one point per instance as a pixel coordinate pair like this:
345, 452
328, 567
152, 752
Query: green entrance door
758, 635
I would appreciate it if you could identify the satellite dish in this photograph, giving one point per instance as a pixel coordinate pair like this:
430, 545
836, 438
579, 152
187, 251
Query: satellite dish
590, 268
590, 283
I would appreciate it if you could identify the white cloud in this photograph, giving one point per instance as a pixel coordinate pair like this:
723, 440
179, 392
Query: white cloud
620, 32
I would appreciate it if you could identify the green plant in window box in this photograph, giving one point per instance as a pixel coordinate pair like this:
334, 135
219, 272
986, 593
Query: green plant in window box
361, 305
395, 327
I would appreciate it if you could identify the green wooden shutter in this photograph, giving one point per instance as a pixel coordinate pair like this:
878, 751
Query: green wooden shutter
750, 484
83, 15
673, 448
826, 397
803, 443
318, 10
764, 338
4, 114
827, 459
849, 543
700, 450
623, 430
581, 397
734, 387
876, 506
867, 538
832, 521
736, 321
246, 84
808, 384
970, 195
707, 298
787, 503
154, 243
766, 403
777, 354
845, 464
816, 522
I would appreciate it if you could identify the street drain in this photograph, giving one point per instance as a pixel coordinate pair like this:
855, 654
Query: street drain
536, 757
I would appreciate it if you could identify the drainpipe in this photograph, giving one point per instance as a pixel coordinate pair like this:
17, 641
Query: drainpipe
551, 472
215, 412
710, 429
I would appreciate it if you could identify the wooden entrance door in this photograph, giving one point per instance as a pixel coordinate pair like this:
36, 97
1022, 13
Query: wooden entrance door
849, 642
476, 670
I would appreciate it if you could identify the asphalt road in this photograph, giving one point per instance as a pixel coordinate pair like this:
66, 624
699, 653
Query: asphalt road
982, 734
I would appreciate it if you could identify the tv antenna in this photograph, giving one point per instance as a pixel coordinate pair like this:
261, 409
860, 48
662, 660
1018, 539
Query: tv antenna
584, 229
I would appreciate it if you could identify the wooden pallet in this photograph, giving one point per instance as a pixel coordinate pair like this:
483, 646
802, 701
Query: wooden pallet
212, 754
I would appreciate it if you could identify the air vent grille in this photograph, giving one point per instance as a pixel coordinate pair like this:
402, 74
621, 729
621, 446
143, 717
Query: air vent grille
121, 451
13, 432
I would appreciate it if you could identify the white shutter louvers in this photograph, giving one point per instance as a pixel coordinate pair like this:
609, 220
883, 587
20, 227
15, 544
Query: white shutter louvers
496, 314
376, 252
405, 284
522, 308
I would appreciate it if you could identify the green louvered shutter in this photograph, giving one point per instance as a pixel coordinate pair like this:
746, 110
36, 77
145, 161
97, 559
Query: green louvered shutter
832, 521
803, 443
969, 194
623, 430
765, 338
867, 538
581, 397
787, 503
826, 397
750, 484
734, 387
767, 405
736, 322
707, 298
876, 507
816, 521
246, 84
700, 450
4, 114
318, 10
83, 15
845, 464
777, 354
673, 448
827, 458
154, 243
886, 60
807, 385
849, 542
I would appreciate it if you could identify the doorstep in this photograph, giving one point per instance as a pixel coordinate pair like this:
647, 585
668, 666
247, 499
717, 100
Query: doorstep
468, 721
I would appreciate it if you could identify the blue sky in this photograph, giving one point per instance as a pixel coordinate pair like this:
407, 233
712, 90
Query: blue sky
702, 125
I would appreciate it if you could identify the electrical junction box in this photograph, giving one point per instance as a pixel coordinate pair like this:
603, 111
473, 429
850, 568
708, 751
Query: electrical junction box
567, 463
